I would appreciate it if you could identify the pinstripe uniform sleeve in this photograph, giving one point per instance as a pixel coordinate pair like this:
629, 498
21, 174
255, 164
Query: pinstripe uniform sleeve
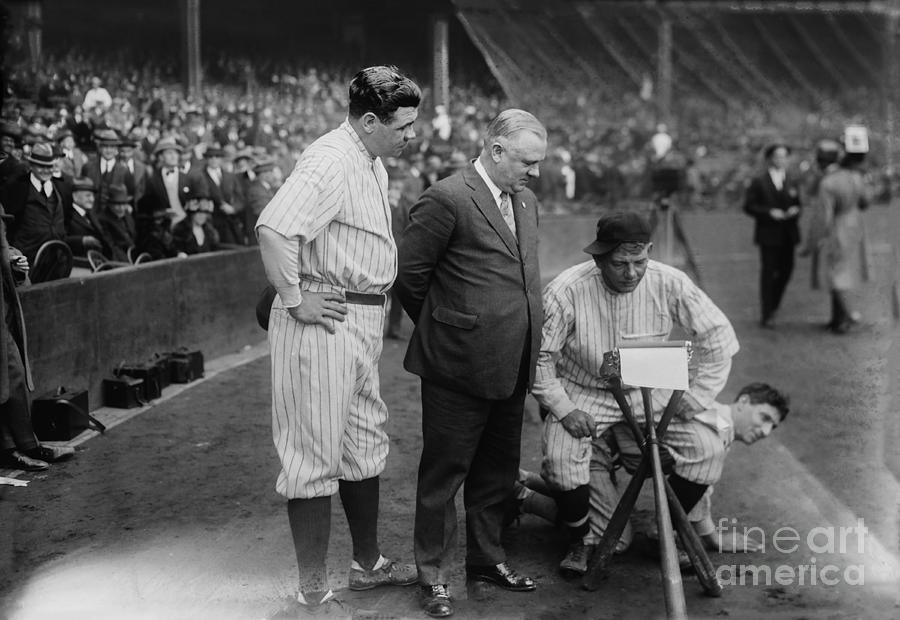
713, 338
310, 198
559, 322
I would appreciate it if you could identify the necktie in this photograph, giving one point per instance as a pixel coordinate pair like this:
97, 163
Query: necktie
507, 213
170, 171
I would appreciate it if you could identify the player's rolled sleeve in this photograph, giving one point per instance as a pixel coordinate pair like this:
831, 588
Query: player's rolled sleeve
310, 198
558, 322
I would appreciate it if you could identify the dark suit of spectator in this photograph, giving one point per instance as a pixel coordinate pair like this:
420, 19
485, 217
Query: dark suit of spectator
82, 222
221, 186
185, 241
105, 174
776, 232
167, 186
118, 224
262, 190
38, 218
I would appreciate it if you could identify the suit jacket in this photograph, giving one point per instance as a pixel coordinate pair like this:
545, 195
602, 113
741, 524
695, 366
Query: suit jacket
762, 197
74, 166
140, 175
13, 197
229, 226
121, 234
120, 175
155, 197
78, 226
472, 290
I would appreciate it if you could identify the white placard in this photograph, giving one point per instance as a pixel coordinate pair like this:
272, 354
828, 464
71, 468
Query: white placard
655, 367
856, 139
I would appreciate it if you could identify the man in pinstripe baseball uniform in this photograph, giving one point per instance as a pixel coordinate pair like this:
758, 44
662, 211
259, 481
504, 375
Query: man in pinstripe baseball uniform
618, 297
755, 413
327, 248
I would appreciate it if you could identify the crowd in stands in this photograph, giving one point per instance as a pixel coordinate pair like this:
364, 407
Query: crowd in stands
140, 172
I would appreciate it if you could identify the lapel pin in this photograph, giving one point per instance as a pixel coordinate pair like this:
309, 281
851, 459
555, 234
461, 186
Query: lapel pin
523, 205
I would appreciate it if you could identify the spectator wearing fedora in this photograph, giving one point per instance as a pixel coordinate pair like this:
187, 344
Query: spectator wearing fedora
118, 223
37, 202
138, 169
262, 190
73, 159
242, 166
105, 170
220, 185
196, 234
83, 228
167, 185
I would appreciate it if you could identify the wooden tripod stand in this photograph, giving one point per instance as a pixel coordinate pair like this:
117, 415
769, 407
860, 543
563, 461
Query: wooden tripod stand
668, 508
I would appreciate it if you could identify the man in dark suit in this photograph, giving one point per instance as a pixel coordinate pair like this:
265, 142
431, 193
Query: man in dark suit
221, 187
83, 229
118, 224
167, 186
105, 170
773, 200
468, 278
137, 168
37, 201
262, 189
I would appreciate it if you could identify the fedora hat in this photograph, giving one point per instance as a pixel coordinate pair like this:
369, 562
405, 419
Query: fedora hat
108, 136
166, 144
41, 154
83, 184
264, 165
117, 195
213, 151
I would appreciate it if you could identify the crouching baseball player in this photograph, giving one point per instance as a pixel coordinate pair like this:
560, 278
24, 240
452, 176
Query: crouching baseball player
754, 414
622, 296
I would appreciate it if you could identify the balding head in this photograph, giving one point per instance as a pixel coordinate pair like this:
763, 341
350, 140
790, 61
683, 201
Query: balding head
515, 144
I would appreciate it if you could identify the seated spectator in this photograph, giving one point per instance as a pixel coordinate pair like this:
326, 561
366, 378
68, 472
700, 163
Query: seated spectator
19, 447
196, 234
83, 228
154, 234
37, 201
118, 224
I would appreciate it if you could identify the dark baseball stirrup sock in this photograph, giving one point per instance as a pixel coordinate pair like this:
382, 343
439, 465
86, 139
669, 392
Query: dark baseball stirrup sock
687, 492
310, 521
573, 511
360, 501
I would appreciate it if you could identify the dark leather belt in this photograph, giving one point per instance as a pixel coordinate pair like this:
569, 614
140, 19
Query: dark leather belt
365, 299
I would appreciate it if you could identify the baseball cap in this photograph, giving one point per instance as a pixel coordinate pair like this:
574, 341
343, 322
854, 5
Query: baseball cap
619, 227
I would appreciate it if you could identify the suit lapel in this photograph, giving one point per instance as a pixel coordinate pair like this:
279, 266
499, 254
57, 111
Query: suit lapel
526, 223
483, 199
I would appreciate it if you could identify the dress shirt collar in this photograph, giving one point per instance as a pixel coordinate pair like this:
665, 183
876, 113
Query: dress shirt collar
37, 183
346, 126
496, 192
777, 177
79, 210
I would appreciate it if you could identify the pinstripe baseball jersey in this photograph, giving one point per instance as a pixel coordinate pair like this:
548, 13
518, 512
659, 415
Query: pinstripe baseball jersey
334, 207
583, 319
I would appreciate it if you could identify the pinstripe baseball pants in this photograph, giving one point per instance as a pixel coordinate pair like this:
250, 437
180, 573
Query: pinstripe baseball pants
327, 414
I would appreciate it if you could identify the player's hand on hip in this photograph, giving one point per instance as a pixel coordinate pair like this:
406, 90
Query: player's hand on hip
321, 308
579, 424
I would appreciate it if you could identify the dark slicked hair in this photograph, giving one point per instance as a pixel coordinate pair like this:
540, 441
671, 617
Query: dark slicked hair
763, 393
381, 90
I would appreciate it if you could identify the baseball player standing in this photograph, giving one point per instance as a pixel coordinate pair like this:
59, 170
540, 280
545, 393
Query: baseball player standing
618, 297
327, 248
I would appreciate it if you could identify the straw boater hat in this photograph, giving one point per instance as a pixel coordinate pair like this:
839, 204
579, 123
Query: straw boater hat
166, 144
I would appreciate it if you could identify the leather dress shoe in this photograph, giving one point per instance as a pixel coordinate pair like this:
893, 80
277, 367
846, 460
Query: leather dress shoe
501, 575
436, 601
13, 459
51, 454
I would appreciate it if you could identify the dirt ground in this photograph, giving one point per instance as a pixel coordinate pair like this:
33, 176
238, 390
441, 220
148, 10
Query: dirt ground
173, 513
